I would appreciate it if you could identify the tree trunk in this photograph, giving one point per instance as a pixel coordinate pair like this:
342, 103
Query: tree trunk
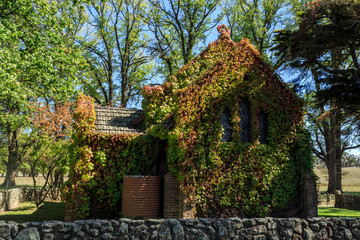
332, 172
335, 148
339, 152
10, 175
13, 156
334, 151
332, 145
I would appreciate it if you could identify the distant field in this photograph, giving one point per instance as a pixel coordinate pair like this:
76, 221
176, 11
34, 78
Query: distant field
350, 179
26, 181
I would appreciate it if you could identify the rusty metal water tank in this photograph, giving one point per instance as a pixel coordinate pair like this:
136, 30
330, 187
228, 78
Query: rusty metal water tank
141, 196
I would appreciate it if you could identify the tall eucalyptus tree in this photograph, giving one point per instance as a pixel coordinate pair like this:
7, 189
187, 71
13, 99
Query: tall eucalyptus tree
258, 21
116, 49
177, 28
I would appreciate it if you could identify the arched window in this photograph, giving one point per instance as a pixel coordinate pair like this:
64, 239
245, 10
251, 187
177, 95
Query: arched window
226, 125
263, 127
245, 125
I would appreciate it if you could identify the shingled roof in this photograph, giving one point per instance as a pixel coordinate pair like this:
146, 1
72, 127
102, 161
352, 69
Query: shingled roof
118, 120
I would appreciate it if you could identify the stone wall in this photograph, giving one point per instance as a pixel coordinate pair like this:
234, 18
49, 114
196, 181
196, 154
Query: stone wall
232, 228
347, 201
11, 198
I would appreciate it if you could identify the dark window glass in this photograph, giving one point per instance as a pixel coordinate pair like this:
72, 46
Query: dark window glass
226, 125
263, 127
244, 109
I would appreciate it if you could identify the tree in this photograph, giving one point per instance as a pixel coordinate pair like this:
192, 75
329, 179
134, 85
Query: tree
326, 45
115, 43
333, 135
3, 153
327, 40
177, 28
38, 60
258, 20
349, 160
48, 154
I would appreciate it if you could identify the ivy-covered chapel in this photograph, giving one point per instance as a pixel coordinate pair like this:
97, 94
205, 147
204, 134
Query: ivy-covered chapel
224, 131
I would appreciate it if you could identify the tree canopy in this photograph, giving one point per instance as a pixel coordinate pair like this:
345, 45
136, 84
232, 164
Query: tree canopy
258, 21
115, 46
39, 62
177, 28
327, 41
326, 45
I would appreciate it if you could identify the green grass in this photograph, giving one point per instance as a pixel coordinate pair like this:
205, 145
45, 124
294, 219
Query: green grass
27, 212
337, 212
352, 193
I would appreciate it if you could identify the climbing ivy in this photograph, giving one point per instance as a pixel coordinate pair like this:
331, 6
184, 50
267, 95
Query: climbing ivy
220, 179
99, 161
230, 178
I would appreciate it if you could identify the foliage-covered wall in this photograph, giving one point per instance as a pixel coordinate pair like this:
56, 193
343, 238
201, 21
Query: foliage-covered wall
235, 177
251, 166
99, 161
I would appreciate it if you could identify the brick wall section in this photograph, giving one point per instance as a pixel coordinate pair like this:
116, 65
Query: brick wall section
173, 204
347, 201
310, 197
69, 213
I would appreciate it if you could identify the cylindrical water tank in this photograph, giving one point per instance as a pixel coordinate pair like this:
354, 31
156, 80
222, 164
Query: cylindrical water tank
141, 196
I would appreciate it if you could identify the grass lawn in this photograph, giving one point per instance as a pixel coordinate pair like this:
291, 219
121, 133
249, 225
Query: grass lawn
337, 212
27, 212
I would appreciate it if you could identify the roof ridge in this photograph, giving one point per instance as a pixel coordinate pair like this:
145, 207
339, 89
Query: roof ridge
119, 108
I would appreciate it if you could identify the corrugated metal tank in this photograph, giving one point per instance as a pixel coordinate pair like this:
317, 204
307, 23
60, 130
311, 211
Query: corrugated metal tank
141, 196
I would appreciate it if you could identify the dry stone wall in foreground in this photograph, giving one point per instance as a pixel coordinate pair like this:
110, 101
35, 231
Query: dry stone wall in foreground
231, 228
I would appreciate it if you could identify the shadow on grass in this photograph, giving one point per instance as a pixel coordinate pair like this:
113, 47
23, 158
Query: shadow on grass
29, 213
